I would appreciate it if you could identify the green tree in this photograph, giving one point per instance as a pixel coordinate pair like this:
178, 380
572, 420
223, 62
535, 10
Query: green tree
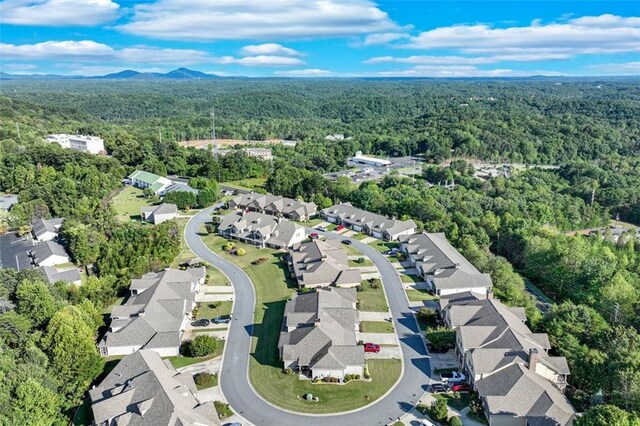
439, 410
201, 345
35, 301
605, 414
69, 343
34, 404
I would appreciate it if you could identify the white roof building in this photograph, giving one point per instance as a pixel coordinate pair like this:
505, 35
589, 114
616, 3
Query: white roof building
85, 143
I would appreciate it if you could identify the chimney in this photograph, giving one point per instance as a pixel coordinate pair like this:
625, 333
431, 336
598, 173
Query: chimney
533, 359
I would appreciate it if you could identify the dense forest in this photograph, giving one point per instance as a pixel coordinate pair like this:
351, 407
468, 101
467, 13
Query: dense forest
518, 229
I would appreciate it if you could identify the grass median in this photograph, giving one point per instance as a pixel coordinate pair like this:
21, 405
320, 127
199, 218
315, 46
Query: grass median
273, 287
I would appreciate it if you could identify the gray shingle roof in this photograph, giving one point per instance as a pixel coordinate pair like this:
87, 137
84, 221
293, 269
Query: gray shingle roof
253, 225
324, 336
274, 204
153, 317
374, 222
437, 257
7, 201
144, 390
517, 391
68, 275
46, 249
42, 226
322, 262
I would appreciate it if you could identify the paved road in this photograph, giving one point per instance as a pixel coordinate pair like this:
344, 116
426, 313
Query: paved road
234, 379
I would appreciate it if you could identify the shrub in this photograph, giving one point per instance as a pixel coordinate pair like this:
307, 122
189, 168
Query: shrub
359, 288
228, 246
200, 346
374, 283
213, 305
203, 379
439, 410
442, 338
455, 421
427, 315
241, 252
288, 371
259, 261
361, 260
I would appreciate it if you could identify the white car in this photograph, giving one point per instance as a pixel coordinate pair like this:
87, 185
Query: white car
452, 377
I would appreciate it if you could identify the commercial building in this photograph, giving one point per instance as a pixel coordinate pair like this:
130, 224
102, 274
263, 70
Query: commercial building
156, 314
261, 230
84, 143
322, 263
158, 184
318, 337
275, 205
371, 224
143, 389
442, 266
359, 158
262, 153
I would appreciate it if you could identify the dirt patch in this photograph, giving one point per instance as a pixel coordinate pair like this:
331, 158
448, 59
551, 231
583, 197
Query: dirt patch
228, 142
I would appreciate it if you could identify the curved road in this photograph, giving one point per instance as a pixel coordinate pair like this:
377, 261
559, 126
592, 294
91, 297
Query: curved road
234, 379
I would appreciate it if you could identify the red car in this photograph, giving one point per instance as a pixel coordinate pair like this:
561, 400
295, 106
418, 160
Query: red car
314, 235
340, 228
462, 387
371, 347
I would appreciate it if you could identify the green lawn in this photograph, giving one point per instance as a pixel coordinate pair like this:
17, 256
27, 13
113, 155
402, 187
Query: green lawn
376, 327
383, 246
410, 278
265, 371
455, 403
206, 311
331, 227
355, 264
419, 295
214, 382
359, 236
352, 251
372, 299
183, 361
83, 415
223, 410
128, 202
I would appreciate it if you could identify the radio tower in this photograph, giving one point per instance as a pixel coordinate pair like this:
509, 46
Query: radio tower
213, 130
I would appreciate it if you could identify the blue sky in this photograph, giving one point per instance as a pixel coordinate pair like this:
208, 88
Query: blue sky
322, 38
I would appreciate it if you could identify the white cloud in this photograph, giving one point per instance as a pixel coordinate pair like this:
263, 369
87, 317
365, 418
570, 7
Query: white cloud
18, 67
260, 61
273, 49
468, 60
585, 35
311, 72
256, 19
94, 70
382, 38
620, 68
58, 13
460, 71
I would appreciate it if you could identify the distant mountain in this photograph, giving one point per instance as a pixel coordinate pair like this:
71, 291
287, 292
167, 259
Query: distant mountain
180, 74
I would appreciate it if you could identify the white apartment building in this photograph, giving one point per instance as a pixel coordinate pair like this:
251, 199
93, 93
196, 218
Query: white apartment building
91, 144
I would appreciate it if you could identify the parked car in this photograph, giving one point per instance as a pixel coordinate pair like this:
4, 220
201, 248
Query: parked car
347, 242
322, 228
314, 236
439, 388
462, 387
371, 347
452, 377
201, 323
222, 319
339, 227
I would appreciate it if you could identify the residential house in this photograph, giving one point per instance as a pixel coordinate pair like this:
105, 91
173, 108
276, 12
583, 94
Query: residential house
318, 337
158, 184
158, 214
274, 205
262, 153
46, 229
7, 201
371, 224
68, 275
49, 253
517, 380
442, 266
155, 315
518, 396
144, 389
261, 230
90, 144
322, 263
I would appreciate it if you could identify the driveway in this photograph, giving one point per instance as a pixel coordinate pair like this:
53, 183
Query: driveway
374, 316
234, 379
378, 338
385, 352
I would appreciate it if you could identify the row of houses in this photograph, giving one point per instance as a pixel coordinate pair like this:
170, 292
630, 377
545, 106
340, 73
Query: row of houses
259, 229
375, 225
275, 205
318, 336
441, 266
517, 380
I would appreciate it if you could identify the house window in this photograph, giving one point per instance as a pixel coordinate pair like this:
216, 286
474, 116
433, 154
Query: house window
104, 351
